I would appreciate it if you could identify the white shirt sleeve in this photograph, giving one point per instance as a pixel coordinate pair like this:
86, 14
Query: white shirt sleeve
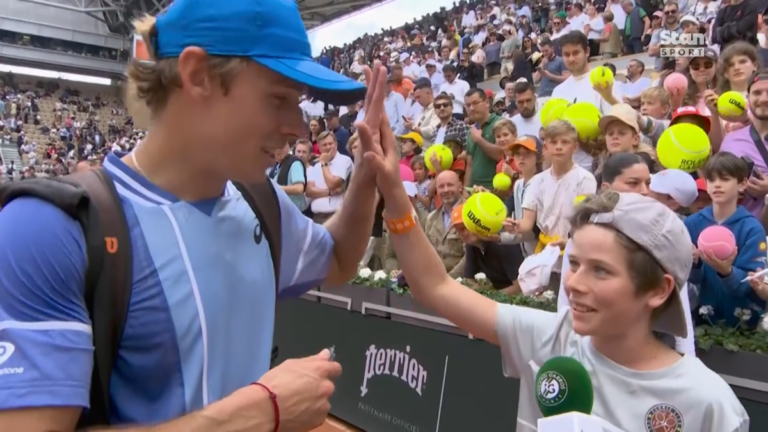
562, 297
684, 345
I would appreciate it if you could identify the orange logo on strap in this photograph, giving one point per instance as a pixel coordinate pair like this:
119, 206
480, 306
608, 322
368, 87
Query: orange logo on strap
111, 244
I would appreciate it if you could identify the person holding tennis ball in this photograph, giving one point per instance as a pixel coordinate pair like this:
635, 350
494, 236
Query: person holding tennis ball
549, 195
579, 88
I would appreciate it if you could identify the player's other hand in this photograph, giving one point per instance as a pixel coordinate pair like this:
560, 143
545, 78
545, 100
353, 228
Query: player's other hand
303, 388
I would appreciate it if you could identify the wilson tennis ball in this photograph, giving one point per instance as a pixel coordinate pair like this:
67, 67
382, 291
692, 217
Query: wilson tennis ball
553, 109
502, 182
484, 213
717, 239
444, 155
601, 75
683, 146
731, 104
579, 199
584, 116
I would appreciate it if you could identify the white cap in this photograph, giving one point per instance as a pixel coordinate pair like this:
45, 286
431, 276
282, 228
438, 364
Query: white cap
676, 183
404, 56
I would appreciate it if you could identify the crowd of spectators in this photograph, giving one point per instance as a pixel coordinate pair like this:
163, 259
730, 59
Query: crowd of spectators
53, 127
434, 99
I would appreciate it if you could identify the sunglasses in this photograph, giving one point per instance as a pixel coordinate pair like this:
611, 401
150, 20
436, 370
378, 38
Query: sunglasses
442, 105
706, 65
670, 12
555, 22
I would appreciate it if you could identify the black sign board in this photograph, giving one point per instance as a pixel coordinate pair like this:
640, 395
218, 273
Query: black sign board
397, 377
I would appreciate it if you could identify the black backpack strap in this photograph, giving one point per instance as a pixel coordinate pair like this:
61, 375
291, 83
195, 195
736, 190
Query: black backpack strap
263, 200
90, 197
108, 281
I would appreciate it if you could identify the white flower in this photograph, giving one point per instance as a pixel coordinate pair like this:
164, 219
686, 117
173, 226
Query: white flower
746, 314
706, 310
737, 312
480, 277
548, 295
459, 280
379, 275
394, 274
762, 326
364, 273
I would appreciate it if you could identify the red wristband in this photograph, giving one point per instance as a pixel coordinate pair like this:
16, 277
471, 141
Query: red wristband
273, 398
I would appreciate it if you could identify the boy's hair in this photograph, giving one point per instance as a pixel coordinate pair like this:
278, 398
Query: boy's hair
656, 93
150, 83
644, 271
721, 165
505, 124
560, 128
418, 160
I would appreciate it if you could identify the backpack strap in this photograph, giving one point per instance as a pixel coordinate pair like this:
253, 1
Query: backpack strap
108, 281
263, 200
90, 197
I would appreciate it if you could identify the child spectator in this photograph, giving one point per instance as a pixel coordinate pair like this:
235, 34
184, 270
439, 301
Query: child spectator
423, 201
527, 155
410, 146
720, 280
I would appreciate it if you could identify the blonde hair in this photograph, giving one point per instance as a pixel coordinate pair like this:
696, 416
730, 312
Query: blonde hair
325, 134
657, 94
150, 83
504, 124
354, 139
560, 128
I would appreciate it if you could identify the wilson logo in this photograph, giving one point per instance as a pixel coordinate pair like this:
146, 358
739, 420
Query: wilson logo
111, 243
478, 223
396, 363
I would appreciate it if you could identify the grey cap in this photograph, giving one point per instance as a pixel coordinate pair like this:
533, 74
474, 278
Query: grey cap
659, 231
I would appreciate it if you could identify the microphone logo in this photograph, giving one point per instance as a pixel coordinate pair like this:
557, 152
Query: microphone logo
552, 389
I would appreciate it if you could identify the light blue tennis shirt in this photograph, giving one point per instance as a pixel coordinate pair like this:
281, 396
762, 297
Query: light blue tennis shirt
201, 313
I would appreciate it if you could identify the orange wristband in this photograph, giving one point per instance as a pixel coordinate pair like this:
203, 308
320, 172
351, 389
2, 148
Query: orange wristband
401, 226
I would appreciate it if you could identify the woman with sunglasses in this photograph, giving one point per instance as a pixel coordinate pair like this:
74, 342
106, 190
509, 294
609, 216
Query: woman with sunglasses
702, 81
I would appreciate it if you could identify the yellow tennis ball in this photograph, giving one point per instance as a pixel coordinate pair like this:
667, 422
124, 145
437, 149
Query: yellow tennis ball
584, 117
683, 146
553, 109
484, 213
579, 199
731, 104
601, 75
502, 182
444, 155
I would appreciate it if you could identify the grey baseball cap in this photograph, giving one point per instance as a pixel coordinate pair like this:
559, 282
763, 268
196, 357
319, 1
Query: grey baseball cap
659, 231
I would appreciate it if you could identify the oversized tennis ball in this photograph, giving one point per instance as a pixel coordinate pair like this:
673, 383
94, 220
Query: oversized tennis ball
484, 213
731, 104
601, 75
553, 109
579, 199
502, 182
683, 146
444, 155
717, 239
584, 116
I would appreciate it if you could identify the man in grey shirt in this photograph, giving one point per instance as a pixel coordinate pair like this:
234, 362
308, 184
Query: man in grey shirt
551, 71
510, 44
671, 24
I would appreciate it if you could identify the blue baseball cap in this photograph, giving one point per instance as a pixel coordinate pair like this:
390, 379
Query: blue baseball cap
269, 32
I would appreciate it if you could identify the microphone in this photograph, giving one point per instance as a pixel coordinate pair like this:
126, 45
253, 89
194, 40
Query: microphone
565, 396
563, 385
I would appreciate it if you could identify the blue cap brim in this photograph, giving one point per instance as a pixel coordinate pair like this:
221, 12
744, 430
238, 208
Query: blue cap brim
323, 83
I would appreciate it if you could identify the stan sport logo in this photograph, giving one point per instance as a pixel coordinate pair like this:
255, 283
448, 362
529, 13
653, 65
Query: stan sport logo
676, 44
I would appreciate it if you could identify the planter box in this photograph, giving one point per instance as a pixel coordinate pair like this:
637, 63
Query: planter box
740, 364
310, 297
409, 306
358, 294
744, 371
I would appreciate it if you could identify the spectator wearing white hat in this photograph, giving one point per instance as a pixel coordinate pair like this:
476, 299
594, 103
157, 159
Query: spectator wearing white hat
674, 188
